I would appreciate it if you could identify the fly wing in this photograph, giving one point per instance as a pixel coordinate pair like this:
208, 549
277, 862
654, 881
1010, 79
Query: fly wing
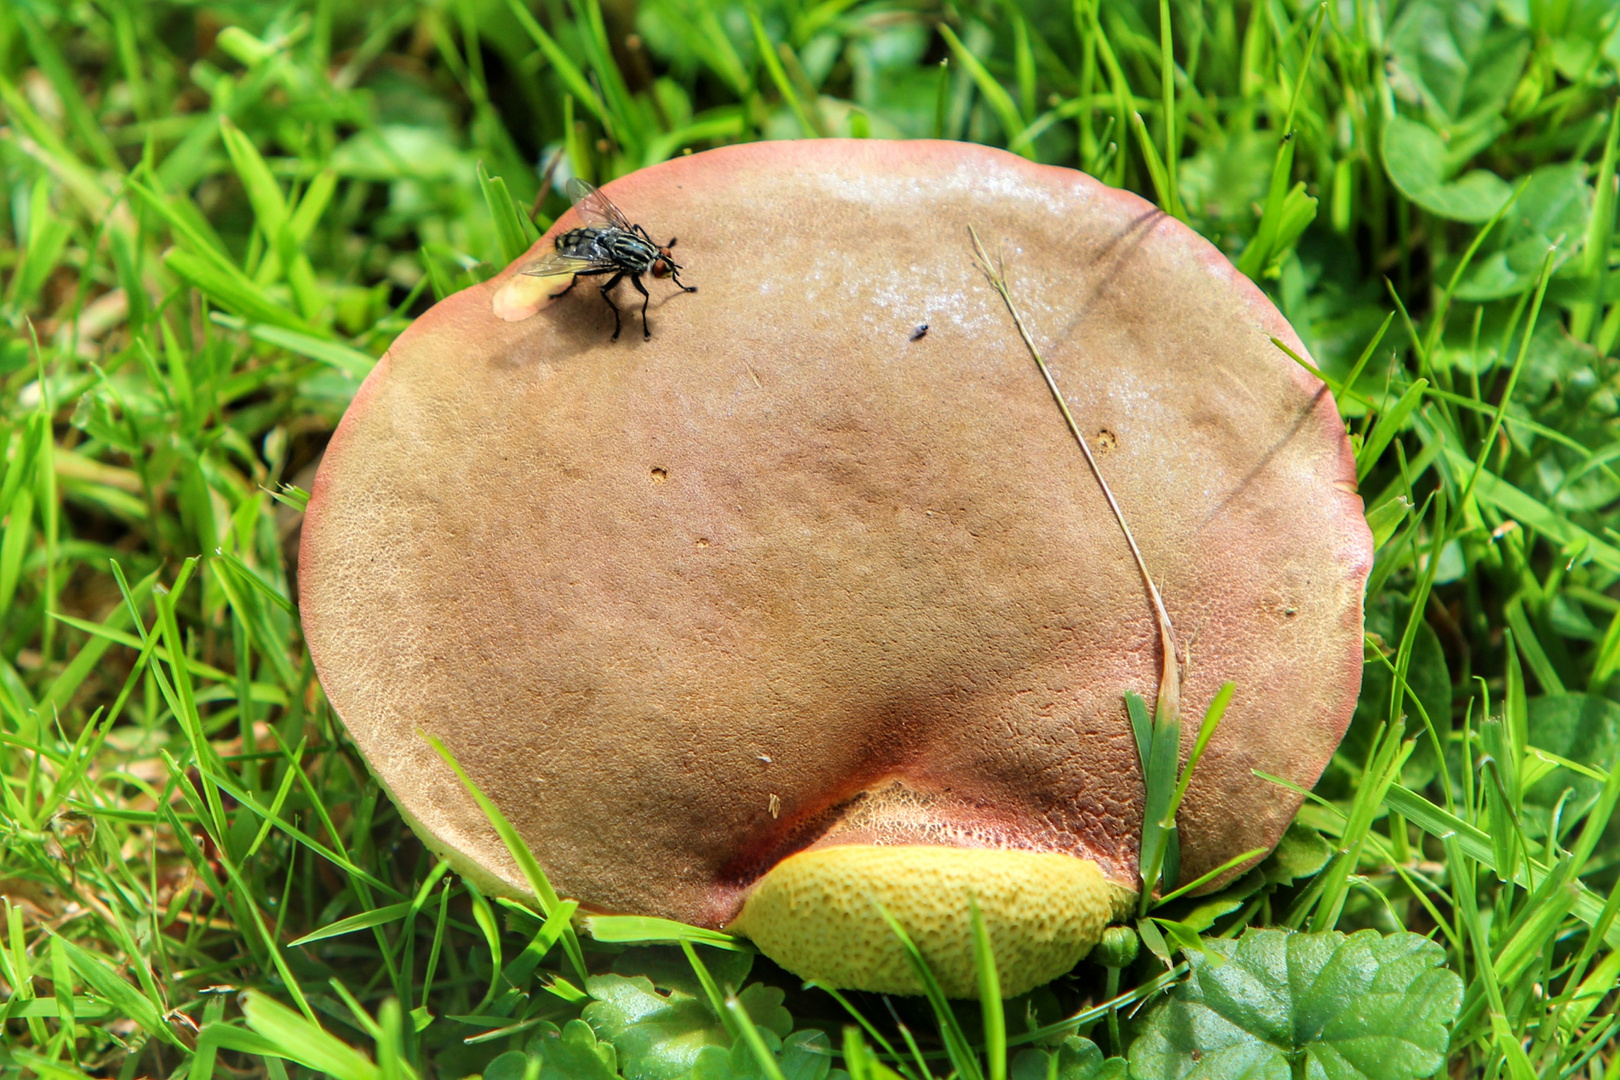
558, 264
593, 206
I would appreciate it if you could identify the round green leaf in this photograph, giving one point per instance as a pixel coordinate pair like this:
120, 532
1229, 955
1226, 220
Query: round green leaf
657, 1037
1361, 1007
1077, 1059
1415, 157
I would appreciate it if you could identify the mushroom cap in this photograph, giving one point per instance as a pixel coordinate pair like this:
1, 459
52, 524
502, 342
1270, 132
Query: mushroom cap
782, 577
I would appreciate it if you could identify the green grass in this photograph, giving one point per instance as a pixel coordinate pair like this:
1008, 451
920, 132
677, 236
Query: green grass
221, 214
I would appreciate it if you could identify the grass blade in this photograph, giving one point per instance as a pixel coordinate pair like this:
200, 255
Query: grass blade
645, 930
536, 877
990, 1003
995, 95
957, 1047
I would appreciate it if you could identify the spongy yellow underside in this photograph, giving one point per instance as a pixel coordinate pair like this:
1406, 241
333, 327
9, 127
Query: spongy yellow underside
816, 914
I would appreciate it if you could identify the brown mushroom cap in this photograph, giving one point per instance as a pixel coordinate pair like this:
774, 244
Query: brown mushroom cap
783, 577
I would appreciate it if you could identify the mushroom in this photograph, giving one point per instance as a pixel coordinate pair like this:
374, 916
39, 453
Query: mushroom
788, 609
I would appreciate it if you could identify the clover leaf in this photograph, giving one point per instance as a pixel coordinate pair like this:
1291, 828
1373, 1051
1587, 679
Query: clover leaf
1362, 1007
659, 1037
1554, 208
573, 1053
1300, 853
804, 1055
1420, 167
508, 1066
1077, 1059
567, 1053
1459, 59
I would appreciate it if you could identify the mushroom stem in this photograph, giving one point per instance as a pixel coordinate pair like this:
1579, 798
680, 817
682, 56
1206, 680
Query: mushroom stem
1169, 702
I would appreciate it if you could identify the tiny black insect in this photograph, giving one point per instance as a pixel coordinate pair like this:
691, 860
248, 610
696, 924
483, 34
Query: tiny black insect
922, 328
607, 244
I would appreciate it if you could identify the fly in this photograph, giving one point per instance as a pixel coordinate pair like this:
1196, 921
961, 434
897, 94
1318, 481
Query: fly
607, 244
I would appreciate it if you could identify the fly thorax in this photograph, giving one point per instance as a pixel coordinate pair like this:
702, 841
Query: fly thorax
631, 251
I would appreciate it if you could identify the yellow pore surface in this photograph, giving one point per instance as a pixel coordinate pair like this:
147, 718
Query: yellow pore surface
816, 914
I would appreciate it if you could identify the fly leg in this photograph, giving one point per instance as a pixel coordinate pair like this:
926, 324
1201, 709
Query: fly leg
571, 283
612, 281
675, 276
642, 289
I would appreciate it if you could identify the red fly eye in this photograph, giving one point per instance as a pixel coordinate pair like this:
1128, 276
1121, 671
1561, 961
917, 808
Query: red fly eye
660, 268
